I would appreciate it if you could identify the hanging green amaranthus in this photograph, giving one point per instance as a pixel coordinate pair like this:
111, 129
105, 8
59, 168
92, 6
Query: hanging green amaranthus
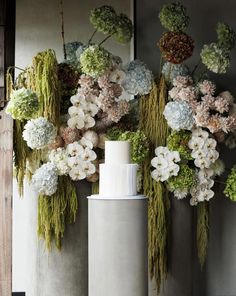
154, 125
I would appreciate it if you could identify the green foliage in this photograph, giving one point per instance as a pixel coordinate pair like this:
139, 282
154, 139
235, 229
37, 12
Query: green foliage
174, 17
185, 179
230, 188
114, 133
226, 36
178, 141
139, 145
95, 60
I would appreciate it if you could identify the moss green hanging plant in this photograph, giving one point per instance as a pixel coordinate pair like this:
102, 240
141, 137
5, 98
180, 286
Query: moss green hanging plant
56, 211
202, 231
154, 125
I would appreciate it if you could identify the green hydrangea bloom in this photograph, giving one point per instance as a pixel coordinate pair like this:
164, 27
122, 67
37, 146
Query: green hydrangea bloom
185, 179
139, 145
124, 29
23, 105
114, 133
95, 61
230, 188
226, 36
104, 19
178, 141
174, 17
215, 58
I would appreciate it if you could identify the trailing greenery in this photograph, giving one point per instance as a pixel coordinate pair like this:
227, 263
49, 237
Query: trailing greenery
202, 231
230, 188
153, 124
55, 211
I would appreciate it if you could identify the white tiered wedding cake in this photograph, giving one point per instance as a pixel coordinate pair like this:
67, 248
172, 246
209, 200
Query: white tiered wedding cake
118, 176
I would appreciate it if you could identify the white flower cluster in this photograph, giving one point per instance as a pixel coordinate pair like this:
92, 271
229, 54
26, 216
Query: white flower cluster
39, 132
83, 110
59, 158
179, 115
202, 191
80, 158
45, 179
203, 148
165, 164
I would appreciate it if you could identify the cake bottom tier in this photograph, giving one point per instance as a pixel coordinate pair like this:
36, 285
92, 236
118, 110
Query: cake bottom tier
118, 256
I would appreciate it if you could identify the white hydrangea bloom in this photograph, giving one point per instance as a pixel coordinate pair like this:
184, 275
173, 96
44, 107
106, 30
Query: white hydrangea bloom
60, 159
179, 115
39, 132
45, 179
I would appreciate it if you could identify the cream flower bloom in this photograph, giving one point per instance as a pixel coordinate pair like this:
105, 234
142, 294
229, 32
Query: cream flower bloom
74, 149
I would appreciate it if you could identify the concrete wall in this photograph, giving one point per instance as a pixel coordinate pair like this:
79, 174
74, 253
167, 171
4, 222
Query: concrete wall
34, 270
185, 277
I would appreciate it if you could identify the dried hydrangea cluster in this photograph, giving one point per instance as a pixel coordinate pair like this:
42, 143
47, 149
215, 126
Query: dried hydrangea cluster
176, 47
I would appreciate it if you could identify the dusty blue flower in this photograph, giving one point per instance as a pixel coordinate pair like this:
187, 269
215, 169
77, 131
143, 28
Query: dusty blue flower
171, 71
71, 51
179, 115
138, 80
215, 58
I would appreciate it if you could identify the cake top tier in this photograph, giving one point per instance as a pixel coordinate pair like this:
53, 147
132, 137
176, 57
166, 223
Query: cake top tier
117, 152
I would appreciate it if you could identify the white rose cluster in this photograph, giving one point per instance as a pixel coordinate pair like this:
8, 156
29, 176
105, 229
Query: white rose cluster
165, 164
39, 132
45, 179
80, 159
83, 110
203, 148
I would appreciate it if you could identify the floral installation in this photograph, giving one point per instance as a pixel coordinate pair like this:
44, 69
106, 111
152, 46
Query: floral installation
186, 119
64, 111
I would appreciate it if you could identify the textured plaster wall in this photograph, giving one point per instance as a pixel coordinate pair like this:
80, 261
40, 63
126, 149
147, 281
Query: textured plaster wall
185, 277
34, 270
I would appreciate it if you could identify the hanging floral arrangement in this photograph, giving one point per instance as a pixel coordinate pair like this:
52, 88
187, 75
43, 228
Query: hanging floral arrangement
185, 119
62, 113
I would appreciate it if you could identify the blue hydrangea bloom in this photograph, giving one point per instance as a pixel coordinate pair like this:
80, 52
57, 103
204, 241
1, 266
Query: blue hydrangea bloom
179, 115
73, 51
139, 78
171, 71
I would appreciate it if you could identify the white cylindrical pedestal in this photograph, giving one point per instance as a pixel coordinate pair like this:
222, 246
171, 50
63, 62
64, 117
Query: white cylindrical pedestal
118, 256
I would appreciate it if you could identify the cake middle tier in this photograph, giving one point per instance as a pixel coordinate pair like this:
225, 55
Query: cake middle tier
118, 179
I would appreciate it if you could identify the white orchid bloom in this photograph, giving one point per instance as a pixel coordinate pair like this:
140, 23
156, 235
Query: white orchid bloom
86, 143
89, 154
159, 162
161, 150
89, 168
89, 121
92, 109
77, 174
117, 76
79, 100
74, 149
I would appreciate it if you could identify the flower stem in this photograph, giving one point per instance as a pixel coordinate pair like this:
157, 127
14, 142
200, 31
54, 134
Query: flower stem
91, 38
104, 40
62, 30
